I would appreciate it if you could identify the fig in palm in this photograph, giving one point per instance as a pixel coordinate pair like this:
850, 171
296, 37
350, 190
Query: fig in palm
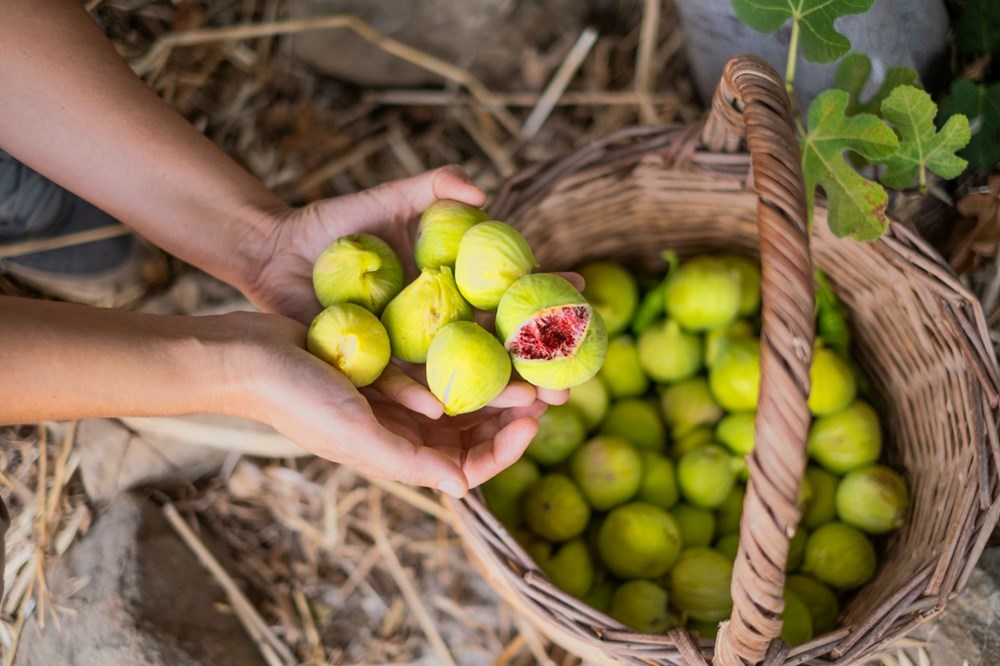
491, 257
360, 269
466, 367
613, 293
442, 226
554, 336
423, 308
351, 339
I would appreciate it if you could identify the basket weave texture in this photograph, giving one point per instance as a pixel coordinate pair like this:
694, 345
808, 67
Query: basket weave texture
919, 334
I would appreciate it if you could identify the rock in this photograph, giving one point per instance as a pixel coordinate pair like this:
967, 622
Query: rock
489, 37
141, 599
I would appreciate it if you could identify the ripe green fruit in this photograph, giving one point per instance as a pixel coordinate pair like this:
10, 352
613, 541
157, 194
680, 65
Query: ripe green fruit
639, 540
820, 601
555, 509
796, 627
692, 440
730, 511
608, 470
796, 550
637, 421
560, 432
749, 272
702, 294
503, 492
728, 545
599, 597
491, 257
668, 354
718, 339
821, 508
568, 566
832, 379
622, 372
840, 556
699, 584
591, 400
735, 377
423, 308
360, 269
613, 293
705, 629
466, 367
847, 439
706, 476
689, 404
874, 499
554, 336
441, 228
736, 431
352, 340
641, 605
659, 480
697, 525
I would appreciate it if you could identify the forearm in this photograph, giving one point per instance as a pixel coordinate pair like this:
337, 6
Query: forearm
73, 110
63, 361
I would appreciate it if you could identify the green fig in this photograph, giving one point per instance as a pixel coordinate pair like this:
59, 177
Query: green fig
847, 439
352, 340
699, 584
796, 622
706, 476
840, 556
637, 421
705, 629
567, 565
689, 404
796, 550
874, 499
736, 431
832, 381
728, 545
718, 339
555, 509
668, 354
641, 605
821, 508
608, 470
560, 432
423, 308
659, 480
820, 601
735, 377
600, 595
554, 336
639, 540
491, 257
730, 511
749, 272
613, 293
690, 441
441, 228
503, 492
621, 372
360, 269
697, 525
703, 293
466, 367
591, 400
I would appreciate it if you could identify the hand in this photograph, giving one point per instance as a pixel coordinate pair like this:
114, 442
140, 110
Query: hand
316, 406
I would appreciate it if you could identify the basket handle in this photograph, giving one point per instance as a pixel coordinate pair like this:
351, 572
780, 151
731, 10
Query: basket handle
751, 103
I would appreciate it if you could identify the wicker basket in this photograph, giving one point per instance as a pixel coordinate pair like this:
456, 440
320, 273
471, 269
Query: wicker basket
919, 334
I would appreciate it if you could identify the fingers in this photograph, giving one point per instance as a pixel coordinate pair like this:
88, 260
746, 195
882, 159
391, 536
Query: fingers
389, 456
552, 396
515, 394
451, 182
489, 458
574, 279
399, 387
405, 199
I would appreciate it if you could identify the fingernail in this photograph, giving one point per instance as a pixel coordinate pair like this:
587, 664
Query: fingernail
450, 487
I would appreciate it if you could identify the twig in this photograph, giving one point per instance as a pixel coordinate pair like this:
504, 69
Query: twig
532, 640
404, 151
59, 478
362, 151
308, 624
77, 238
498, 155
410, 593
164, 45
428, 97
644, 77
41, 525
557, 85
271, 648
413, 498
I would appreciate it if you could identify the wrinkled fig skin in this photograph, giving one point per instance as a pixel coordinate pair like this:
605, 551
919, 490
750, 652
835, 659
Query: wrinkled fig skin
351, 339
423, 308
613, 293
491, 257
441, 228
360, 269
466, 367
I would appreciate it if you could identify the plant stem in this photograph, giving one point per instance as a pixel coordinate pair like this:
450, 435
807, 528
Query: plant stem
923, 179
793, 55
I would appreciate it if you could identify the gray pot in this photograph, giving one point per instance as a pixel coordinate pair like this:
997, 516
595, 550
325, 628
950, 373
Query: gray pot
904, 33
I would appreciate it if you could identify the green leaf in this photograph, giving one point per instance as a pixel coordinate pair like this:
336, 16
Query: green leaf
820, 40
981, 104
856, 205
852, 75
978, 29
921, 147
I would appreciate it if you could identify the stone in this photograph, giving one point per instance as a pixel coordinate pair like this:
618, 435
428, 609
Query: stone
130, 592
